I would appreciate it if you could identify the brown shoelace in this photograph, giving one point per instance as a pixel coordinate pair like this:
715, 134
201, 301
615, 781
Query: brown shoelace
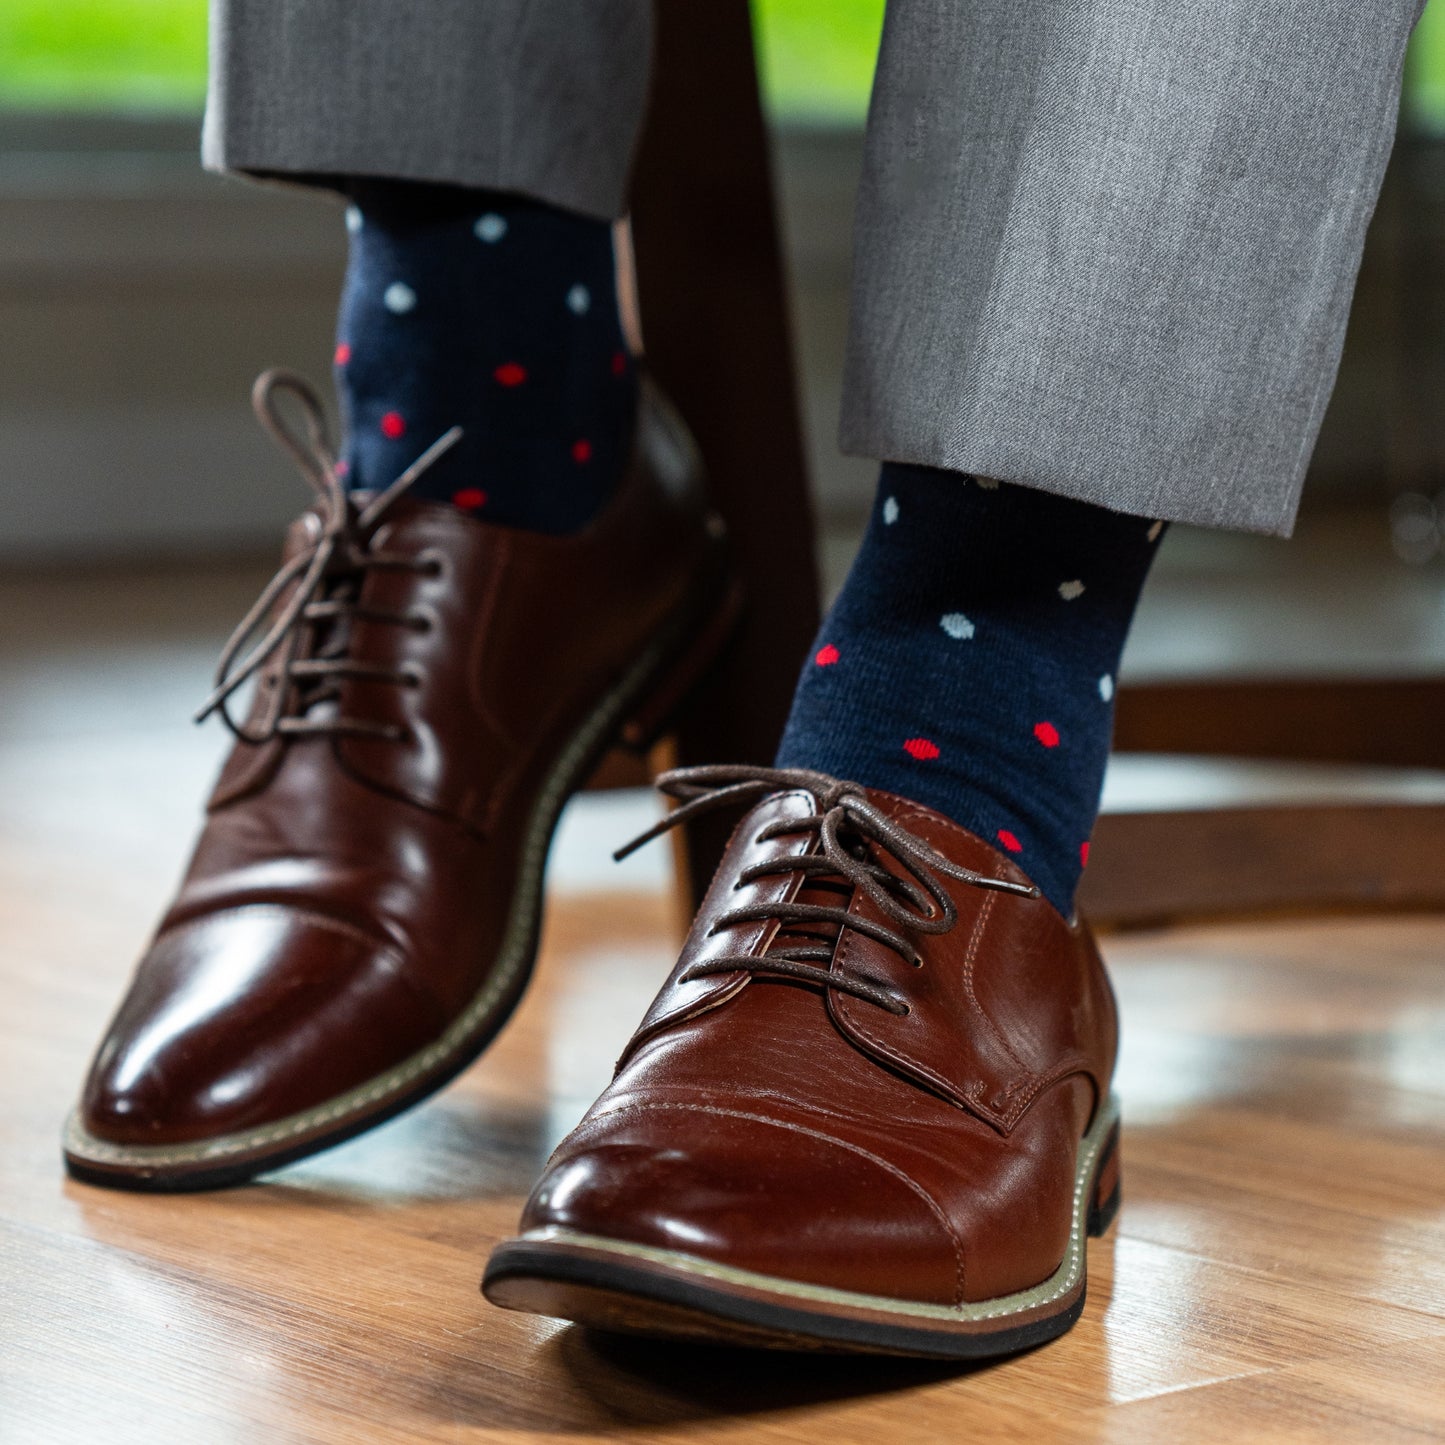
321, 586
852, 833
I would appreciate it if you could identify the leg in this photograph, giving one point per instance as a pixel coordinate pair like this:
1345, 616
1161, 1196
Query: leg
566, 93
544, 100
516, 565
1103, 259
486, 149
703, 206
1106, 248
1134, 309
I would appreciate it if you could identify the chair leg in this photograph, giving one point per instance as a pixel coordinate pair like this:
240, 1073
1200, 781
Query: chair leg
715, 322
1395, 721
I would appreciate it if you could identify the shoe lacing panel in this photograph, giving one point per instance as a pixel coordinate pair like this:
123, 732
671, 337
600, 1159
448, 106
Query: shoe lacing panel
853, 837
309, 634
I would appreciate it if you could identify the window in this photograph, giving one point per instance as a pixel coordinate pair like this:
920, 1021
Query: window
1425, 73
150, 55
103, 55
816, 57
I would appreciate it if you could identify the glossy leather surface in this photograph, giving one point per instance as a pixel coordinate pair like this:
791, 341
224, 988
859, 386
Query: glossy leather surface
348, 895
770, 1124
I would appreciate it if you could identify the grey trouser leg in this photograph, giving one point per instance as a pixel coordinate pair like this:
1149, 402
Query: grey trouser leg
543, 97
1106, 247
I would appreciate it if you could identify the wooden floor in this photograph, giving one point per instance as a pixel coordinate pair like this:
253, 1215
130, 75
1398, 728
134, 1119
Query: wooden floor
1278, 1271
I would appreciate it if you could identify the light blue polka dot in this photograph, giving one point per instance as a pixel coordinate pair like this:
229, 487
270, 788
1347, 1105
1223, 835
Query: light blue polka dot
490, 228
399, 297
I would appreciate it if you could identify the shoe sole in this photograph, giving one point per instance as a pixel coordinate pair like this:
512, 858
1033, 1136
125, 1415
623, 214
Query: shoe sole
681, 650
636, 1289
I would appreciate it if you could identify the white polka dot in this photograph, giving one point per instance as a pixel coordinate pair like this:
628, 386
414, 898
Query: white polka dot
579, 300
1069, 590
1155, 530
490, 228
890, 511
353, 219
399, 297
957, 626
987, 483
1106, 687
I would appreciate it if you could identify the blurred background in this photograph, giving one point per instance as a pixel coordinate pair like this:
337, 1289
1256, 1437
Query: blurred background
140, 506
138, 296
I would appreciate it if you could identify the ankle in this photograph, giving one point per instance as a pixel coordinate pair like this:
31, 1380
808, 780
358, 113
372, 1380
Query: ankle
497, 315
969, 662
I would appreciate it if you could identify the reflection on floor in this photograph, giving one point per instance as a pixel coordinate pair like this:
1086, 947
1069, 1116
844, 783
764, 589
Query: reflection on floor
1278, 1271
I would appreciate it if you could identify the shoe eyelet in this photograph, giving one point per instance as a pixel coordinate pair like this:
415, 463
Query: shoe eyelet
420, 621
412, 677
431, 563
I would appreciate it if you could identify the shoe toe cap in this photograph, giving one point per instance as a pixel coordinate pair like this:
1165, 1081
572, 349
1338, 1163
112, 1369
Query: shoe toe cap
754, 1193
241, 1018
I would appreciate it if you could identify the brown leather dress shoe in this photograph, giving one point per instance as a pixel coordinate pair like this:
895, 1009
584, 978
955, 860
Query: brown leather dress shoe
361, 913
870, 1110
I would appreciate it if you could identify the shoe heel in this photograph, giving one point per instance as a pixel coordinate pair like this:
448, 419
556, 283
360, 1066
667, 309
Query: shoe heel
650, 721
1108, 1182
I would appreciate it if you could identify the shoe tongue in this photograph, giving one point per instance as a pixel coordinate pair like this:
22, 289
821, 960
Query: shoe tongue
823, 892
950, 839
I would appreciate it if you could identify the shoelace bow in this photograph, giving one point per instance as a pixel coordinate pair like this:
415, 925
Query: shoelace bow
851, 834
323, 581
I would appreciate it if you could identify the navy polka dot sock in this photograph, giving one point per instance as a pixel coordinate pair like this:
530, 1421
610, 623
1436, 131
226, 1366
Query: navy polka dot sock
969, 661
495, 314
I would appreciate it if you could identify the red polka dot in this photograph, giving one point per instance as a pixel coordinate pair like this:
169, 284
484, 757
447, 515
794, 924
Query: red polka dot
343, 354
510, 373
343, 468
581, 451
619, 362
1083, 855
1047, 734
393, 425
1009, 841
921, 748
827, 655
470, 498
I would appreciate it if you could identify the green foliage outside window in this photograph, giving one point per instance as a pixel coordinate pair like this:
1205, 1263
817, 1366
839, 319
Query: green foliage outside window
1425, 73
816, 56
89, 55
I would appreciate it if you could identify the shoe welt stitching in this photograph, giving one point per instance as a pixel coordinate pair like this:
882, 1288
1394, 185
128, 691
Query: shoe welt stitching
1062, 1282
